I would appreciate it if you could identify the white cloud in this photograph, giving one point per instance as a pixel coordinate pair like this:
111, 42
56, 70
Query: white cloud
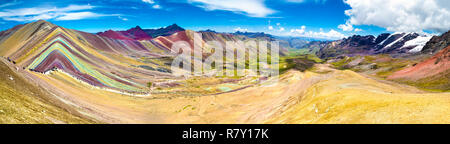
78, 16
148, 1
299, 31
346, 27
401, 15
278, 27
71, 12
240, 29
75, 8
296, 1
156, 6
9, 4
332, 34
42, 10
153, 4
122, 18
301, 1
252, 8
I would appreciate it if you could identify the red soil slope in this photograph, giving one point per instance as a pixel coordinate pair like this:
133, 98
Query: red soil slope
179, 36
439, 63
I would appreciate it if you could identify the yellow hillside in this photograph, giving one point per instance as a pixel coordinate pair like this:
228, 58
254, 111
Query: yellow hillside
299, 97
337, 97
22, 102
351, 98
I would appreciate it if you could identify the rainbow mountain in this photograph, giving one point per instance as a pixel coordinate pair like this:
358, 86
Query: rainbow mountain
122, 61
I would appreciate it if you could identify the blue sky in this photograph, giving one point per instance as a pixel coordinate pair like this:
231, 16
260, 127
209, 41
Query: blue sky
309, 18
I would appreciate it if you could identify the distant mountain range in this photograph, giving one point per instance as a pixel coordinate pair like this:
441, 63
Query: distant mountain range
166, 31
132, 34
254, 34
137, 33
396, 44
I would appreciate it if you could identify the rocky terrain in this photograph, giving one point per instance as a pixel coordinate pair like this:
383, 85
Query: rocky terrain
437, 43
396, 44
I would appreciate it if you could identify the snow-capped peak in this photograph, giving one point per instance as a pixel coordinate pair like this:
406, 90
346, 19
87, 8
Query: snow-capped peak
418, 42
397, 40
